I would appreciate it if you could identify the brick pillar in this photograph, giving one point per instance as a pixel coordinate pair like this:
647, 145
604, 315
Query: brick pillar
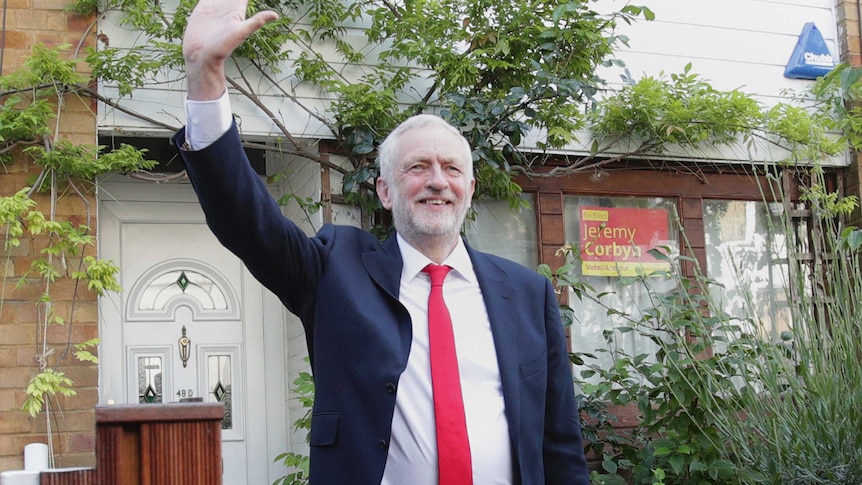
29, 22
850, 45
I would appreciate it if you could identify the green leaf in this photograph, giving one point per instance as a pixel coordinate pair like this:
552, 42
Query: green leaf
677, 464
609, 465
648, 14
567, 315
85, 356
662, 451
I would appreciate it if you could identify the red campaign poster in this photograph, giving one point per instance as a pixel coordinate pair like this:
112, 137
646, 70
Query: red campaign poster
616, 241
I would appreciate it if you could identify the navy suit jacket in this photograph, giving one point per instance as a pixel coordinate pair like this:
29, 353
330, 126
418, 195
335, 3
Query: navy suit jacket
343, 284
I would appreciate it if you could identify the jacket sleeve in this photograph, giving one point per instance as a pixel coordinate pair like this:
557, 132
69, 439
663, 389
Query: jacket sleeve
246, 220
562, 448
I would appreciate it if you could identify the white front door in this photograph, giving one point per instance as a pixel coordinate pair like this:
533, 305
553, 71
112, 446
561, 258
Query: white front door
191, 324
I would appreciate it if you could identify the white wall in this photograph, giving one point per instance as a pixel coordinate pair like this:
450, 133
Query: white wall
302, 179
732, 43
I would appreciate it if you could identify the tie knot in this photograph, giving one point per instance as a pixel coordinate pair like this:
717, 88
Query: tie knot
437, 272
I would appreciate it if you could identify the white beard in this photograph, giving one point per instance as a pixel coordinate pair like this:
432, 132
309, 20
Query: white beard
422, 224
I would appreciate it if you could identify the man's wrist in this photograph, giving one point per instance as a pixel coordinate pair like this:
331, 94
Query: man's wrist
204, 82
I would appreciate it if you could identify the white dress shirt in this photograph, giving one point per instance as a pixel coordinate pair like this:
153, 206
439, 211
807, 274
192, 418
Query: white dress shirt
412, 457
207, 121
412, 453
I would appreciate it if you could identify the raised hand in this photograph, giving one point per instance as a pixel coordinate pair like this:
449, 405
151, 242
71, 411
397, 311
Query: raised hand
215, 29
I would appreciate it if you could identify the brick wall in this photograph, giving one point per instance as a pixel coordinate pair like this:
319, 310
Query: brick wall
850, 45
29, 22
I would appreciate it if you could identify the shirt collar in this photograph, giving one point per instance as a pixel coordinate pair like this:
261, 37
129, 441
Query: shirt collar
414, 261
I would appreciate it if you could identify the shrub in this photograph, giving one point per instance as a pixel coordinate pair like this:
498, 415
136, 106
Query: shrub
725, 399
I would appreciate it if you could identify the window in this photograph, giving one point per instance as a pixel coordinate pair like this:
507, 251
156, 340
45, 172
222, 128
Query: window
149, 379
504, 232
219, 384
746, 251
631, 226
176, 283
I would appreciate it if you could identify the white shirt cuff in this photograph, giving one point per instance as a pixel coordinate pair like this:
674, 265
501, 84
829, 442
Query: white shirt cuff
207, 121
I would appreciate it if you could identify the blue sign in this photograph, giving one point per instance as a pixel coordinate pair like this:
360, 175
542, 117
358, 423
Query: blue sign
811, 58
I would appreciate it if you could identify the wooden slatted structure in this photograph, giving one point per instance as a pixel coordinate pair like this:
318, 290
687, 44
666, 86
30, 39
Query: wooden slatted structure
68, 476
152, 444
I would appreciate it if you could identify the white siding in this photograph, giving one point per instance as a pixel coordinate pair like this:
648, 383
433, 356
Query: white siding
733, 44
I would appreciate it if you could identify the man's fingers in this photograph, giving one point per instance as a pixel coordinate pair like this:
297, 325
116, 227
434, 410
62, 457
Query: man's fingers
258, 20
264, 16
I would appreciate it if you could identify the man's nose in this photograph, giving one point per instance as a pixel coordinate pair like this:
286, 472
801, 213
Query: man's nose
436, 177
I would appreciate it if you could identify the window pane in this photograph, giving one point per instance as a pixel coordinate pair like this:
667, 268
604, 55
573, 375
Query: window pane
746, 251
632, 226
149, 380
174, 284
220, 386
505, 232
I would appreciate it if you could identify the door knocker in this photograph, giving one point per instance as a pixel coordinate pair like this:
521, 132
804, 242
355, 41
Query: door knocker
184, 347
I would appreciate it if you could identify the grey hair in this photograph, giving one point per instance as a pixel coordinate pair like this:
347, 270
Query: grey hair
389, 148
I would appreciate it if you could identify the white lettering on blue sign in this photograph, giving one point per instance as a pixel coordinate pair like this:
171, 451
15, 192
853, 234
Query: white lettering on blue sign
824, 60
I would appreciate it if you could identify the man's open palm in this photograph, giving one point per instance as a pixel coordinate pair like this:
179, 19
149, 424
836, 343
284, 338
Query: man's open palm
215, 29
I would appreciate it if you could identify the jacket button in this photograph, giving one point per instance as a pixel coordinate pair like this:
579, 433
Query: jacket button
383, 444
390, 388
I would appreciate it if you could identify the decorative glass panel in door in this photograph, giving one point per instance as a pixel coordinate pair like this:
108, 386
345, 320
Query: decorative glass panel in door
149, 379
218, 378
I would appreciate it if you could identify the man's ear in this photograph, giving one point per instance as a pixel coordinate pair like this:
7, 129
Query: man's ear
383, 193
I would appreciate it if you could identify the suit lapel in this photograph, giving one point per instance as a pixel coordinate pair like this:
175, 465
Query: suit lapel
385, 266
499, 299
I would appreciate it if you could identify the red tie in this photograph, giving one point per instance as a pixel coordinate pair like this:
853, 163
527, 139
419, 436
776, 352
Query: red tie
453, 447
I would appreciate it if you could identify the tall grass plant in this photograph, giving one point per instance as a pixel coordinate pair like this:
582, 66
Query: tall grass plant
726, 398
800, 406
